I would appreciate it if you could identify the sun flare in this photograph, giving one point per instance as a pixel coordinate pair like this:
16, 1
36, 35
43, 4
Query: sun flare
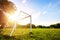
19, 17
13, 17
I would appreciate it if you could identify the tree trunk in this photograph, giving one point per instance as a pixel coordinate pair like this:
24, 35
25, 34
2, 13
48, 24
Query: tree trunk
3, 19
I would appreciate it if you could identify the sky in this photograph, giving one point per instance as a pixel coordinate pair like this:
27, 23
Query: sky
44, 12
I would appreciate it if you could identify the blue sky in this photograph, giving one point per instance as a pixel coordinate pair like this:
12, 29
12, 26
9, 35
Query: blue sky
44, 12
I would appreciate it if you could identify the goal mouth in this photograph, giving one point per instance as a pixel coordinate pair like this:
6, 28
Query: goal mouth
13, 25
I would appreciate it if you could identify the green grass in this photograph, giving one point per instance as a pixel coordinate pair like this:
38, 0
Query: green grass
38, 34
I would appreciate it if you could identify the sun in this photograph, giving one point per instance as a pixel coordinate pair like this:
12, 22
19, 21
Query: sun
17, 17
13, 17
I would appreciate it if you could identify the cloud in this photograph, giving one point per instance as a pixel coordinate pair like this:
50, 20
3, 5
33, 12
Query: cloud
45, 12
47, 6
53, 5
37, 15
24, 1
50, 6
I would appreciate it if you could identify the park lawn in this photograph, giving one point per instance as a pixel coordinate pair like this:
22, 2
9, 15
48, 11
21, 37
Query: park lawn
38, 34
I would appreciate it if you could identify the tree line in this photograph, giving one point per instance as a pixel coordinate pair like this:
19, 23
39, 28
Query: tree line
57, 25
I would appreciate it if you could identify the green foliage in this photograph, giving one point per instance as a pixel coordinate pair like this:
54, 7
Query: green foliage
7, 37
41, 26
7, 6
28, 26
55, 25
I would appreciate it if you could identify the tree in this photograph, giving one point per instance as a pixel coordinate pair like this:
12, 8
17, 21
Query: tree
52, 26
39, 26
3, 19
5, 7
57, 25
28, 26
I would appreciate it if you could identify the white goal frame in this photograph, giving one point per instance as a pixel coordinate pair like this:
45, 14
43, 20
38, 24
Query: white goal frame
14, 27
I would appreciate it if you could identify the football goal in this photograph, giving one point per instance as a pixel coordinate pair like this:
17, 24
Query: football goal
28, 15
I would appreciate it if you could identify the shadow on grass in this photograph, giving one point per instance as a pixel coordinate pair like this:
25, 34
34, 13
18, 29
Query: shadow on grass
28, 37
7, 37
38, 36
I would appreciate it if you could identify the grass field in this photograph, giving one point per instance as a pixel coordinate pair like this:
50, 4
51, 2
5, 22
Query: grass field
38, 34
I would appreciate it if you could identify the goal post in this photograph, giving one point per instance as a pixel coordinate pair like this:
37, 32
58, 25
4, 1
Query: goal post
14, 27
30, 23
